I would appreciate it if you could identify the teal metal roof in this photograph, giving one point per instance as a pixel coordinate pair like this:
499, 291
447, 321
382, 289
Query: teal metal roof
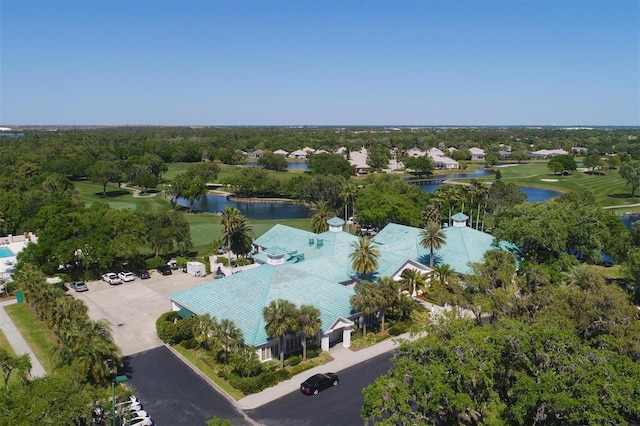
336, 221
459, 216
241, 297
311, 273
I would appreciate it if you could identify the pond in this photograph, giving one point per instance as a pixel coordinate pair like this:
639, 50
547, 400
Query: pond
216, 203
291, 165
629, 219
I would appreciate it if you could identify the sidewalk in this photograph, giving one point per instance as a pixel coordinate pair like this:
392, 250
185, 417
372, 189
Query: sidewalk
16, 340
342, 358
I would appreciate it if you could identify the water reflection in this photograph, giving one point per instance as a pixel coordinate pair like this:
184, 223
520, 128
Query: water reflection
216, 203
291, 165
629, 219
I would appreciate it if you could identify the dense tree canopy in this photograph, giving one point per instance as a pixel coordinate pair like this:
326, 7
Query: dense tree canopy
507, 373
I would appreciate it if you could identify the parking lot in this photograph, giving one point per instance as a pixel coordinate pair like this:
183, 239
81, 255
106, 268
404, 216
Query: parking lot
132, 308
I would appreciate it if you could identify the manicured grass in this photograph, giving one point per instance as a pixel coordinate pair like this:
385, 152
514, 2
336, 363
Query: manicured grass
205, 369
120, 198
608, 187
206, 229
40, 340
226, 171
4, 343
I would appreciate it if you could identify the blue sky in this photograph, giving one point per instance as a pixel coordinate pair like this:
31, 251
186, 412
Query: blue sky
323, 62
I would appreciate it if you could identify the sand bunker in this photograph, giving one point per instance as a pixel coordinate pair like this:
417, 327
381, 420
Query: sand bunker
549, 180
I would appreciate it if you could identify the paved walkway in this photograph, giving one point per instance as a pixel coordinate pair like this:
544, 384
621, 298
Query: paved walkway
16, 340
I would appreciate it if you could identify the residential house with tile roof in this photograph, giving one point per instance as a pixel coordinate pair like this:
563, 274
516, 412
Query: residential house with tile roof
314, 269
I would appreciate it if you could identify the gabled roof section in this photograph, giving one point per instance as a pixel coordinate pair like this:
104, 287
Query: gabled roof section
241, 297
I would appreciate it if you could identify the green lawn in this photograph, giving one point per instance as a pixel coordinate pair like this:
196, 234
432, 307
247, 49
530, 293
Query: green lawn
608, 187
4, 343
226, 171
40, 340
205, 227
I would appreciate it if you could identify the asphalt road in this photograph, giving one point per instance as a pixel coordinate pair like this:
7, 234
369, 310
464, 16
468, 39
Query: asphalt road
173, 394
336, 406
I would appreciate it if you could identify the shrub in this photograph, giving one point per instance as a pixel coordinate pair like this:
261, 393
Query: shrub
171, 329
190, 343
154, 262
293, 360
398, 329
242, 261
222, 261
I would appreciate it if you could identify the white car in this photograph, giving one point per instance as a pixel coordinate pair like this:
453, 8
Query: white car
111, 278
126, 276
138, 414
140, 421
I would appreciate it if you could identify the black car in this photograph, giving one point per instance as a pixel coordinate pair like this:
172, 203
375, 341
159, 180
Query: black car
165, 270
143, 274
318, 382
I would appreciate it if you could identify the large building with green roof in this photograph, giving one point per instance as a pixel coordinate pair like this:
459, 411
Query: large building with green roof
314, 269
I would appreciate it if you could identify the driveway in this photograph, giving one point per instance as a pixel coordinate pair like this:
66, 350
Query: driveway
173, 394
132, 308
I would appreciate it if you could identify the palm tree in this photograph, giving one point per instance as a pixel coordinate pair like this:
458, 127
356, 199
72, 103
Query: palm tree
204, 329
388, 293
229, 337
432, 237
242, 238
444, 273
321, 214
348, 194
364, 258
365, 300
230, 219
280, 316
309, 325
413, 279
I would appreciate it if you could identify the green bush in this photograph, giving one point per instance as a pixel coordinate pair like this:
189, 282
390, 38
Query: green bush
249, 385
190, 343
222, 261
242, 261
154, 262
171, 329
398, 329
293, 360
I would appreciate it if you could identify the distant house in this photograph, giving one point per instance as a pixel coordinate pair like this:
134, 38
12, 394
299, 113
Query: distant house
416, 152
505, 155
281, 152
341, 150
256, 154
542, 154
309, 150
314, 269
477, 154
298, 154
580, 150
358, 159
441, 161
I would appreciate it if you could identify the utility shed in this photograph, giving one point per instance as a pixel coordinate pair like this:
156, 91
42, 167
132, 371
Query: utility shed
197, 269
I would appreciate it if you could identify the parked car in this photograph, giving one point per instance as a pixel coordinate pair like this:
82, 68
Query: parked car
165, 270
126, 276
139, 421
111, 278
139, 413
78, 286
143, 274
131, 406
318, 382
